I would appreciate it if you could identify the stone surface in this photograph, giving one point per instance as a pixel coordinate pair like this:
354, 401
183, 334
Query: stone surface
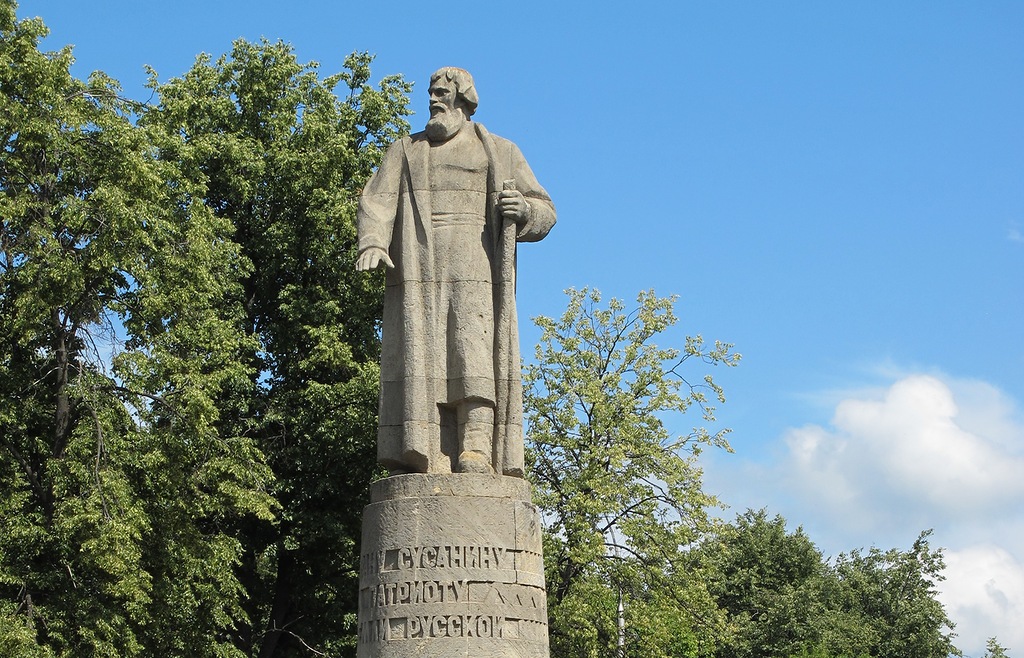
451, 566
443, 213
451, 562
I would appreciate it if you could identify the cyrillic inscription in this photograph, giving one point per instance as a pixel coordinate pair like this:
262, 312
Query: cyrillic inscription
384, 593
414, 591
437, 557
432, 626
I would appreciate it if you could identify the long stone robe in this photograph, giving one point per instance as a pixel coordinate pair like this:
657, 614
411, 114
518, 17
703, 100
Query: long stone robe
394, 214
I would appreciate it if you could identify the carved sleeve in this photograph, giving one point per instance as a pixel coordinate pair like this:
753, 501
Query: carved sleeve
378, 205
542, 210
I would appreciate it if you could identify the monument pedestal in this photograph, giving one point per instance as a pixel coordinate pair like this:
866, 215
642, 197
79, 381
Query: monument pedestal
451, 567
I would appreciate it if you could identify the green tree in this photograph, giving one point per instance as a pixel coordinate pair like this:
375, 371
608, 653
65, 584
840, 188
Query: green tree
115, 486
894, 593
768, 580
995, 650
282, 158
784, 600
621, 495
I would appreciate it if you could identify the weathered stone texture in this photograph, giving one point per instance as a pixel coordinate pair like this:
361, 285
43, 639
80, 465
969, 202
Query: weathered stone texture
444, 213
451, 548
452, 567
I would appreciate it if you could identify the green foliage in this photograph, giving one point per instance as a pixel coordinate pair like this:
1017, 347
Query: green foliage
995, 650
768, 580
187, 363
282, 160
621, 495
819, 651
783, 600
894, 593
115, 485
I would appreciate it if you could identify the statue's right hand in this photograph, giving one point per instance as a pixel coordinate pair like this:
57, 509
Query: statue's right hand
372, 257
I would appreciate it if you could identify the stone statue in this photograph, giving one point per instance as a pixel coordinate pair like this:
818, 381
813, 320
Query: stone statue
443, 213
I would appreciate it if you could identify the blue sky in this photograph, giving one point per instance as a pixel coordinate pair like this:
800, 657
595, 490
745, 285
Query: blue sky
836, 188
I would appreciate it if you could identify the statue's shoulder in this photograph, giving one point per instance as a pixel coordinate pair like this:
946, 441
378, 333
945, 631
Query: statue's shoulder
501, 145
397, 150
403, 142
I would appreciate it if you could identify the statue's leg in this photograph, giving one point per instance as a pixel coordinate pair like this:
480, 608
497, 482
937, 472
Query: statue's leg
476, 434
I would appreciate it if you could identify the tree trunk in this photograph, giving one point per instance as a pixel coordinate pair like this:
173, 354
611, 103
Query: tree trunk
280, 613
62, 413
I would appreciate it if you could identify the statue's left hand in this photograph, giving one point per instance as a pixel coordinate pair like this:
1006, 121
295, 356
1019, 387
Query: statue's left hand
513, 206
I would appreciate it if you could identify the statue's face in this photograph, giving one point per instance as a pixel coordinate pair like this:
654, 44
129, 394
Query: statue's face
447, 115
442, 97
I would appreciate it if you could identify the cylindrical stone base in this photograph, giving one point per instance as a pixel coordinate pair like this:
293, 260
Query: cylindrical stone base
452, 567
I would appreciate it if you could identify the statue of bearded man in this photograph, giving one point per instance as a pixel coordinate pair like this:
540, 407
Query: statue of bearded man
443, 213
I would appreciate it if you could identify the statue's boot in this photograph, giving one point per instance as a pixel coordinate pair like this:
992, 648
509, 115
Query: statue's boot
473, 461
476, 435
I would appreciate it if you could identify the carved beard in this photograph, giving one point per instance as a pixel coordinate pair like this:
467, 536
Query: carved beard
444, 125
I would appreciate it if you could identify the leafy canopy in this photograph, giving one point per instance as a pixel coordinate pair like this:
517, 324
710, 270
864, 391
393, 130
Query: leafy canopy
187, 362
282, 153
621, 495
117, 336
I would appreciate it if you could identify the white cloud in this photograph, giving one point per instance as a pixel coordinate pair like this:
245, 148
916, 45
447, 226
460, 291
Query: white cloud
928, 451
910, 449
984, 592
